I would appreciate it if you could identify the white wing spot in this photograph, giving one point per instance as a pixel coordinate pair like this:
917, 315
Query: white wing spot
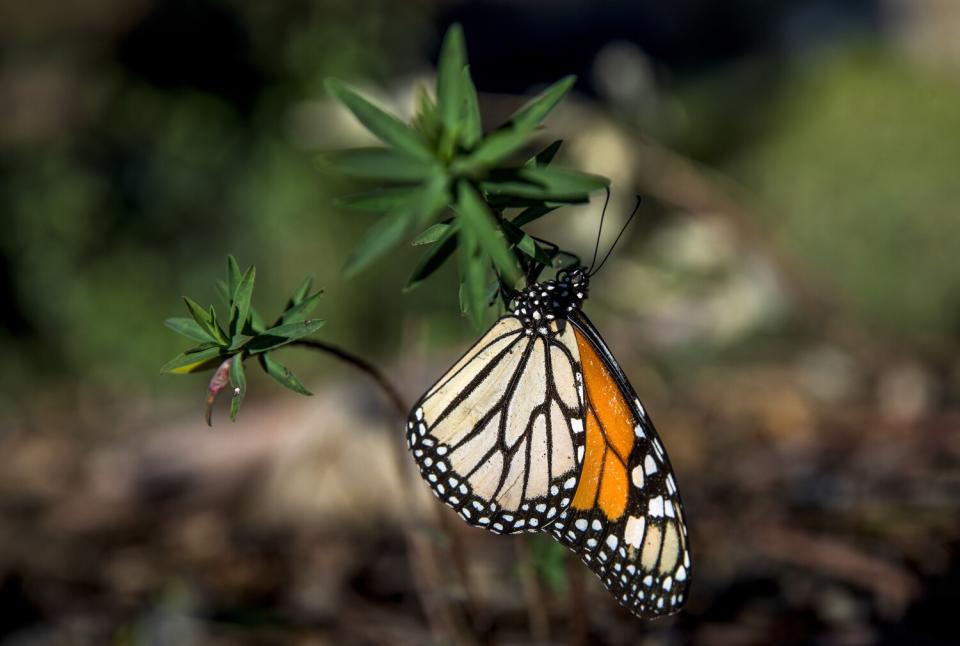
576, 425
613, 541
649, 465
581, 524
681, 573
637, 476
633, 532
656, 507
597, 525
571, 482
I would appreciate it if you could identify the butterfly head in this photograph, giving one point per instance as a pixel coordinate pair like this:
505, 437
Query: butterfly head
545, 305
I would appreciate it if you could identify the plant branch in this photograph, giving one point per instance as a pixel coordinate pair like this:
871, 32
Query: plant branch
399, 406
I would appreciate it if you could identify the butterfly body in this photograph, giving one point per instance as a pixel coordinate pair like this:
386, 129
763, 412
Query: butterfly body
536, 428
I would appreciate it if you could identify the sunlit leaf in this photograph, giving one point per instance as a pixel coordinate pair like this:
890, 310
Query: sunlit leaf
281, 374
282, 334
193, 361
377, 163
385, 126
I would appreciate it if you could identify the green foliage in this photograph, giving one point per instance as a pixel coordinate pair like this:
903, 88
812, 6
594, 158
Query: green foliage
443, 162
247, 336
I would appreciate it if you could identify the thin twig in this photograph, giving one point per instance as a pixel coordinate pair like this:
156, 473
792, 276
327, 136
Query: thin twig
364, 366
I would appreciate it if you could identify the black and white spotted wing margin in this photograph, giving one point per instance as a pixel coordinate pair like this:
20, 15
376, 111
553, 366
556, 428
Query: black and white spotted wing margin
500, 437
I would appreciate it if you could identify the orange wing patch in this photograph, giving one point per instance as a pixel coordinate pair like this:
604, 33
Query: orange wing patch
610, 437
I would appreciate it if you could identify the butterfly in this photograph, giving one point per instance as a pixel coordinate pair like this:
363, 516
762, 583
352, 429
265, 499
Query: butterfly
536, 428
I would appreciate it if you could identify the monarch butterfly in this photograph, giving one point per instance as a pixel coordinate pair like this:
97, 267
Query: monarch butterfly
536, 428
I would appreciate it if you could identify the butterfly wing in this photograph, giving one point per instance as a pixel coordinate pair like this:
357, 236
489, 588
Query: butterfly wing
499, 438
626, 520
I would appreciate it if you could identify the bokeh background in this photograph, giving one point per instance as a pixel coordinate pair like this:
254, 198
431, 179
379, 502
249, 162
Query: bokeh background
787, 303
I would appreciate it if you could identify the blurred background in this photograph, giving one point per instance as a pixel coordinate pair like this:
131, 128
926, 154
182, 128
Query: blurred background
787, 303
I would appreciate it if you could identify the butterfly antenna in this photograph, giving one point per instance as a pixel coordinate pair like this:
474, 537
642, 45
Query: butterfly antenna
596, 247
623, 229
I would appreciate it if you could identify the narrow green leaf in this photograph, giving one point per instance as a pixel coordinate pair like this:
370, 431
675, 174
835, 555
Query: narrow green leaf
543, 158
387, 200
434, 198
255, 325
450, 97
532, 213
493, 149
473, 278
233, 277
377, 163
301, 292
547, 184
525, 243
193, 360
387, 232
238, 384
281, 374
204, 319
241, 301
216, 329
428, 117
433, 233
188, 328
434, 258
385, 126
477, 217
301, 310
472, 124
283, 334
535, 110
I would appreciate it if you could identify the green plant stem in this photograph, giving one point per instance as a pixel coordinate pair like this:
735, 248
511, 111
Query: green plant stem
391, 392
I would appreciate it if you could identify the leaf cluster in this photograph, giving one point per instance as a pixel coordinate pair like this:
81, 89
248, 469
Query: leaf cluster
442, 166
227, 343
